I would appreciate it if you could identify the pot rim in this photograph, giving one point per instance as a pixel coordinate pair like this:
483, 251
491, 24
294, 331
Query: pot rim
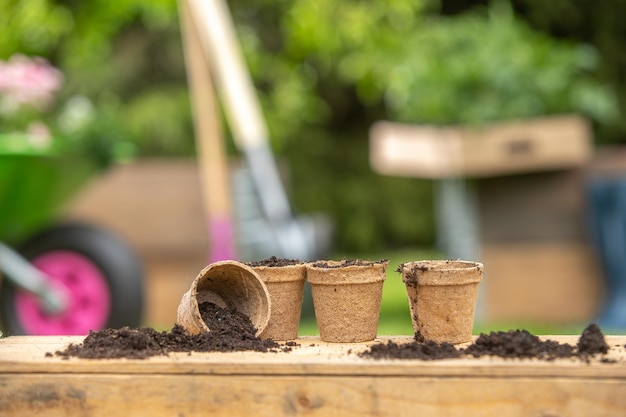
441, 272
286, 273
370, 272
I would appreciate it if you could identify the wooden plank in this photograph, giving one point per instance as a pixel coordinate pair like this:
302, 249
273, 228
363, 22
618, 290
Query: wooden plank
26, 354
503, 148
541, 281
539, 144
189, 395
315, 379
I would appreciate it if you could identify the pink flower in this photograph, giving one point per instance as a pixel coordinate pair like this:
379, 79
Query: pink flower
29, 81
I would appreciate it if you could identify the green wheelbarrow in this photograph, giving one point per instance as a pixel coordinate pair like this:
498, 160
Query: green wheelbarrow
58, 279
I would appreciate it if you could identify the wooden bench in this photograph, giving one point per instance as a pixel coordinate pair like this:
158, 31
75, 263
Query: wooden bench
315, 379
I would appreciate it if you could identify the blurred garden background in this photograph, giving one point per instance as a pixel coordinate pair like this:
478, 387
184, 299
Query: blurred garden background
325, 71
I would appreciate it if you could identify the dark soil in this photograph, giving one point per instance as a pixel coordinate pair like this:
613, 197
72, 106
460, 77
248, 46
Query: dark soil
346, 262
275, 262
592, 341
426, 351
400, 268
519, 344
228, 323
231, 331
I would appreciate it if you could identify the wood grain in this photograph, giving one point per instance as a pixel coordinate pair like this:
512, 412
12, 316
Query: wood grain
316, 379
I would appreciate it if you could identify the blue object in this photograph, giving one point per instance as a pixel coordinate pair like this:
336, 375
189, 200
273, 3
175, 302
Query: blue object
607, 212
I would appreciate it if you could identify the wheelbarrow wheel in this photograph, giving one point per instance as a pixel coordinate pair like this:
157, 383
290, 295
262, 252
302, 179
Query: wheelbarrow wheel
100, 277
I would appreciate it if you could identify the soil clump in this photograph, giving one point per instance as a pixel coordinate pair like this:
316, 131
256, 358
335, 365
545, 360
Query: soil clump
518, 344
275, 262
231, 331
512, 344
426, 351
346, 262
592, 341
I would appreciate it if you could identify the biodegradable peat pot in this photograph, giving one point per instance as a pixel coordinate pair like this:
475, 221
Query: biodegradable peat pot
229, 284
284, 280
346, 298
442, 298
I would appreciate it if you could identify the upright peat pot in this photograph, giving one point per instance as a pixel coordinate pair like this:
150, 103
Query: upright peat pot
346, 298
442, 298
284, 280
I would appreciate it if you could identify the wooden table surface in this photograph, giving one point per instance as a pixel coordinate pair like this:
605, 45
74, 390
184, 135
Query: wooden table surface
315, 379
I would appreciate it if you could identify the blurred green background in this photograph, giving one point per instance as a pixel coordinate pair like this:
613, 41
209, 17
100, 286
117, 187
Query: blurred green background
325, 71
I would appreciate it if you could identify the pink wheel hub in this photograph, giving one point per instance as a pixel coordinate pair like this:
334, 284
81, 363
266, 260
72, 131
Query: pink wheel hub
87, 296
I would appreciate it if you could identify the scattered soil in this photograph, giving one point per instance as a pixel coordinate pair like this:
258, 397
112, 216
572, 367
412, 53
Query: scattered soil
231, 331
418, 267
347, 262
275, 262
518, 344
426, 351
411, 279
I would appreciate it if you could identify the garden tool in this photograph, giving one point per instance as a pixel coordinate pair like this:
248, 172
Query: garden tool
23, 274
211, 153
291, 237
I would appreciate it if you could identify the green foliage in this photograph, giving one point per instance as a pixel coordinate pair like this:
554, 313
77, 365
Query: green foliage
482, 67
122, 56
23, 30
596, 23
325, 71
150, 121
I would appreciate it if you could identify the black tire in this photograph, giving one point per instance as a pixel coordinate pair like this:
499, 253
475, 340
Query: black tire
112, 257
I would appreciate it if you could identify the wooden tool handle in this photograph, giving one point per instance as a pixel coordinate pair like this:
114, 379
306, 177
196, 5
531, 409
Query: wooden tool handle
217, 34
212, 160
